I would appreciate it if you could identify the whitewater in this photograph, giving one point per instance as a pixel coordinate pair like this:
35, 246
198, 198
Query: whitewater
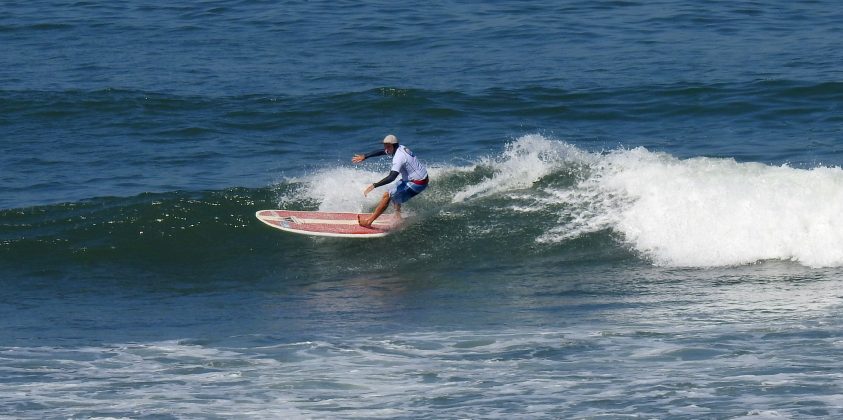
693, 212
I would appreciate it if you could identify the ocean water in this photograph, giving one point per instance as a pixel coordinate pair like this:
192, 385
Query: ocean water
634, 210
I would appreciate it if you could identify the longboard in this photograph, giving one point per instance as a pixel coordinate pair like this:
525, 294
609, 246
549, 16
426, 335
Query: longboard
318, 223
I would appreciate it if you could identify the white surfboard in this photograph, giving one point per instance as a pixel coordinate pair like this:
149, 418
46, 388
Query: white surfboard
332, 224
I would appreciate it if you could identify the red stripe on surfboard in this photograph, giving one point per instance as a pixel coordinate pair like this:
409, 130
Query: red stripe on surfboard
317, 215
310, 214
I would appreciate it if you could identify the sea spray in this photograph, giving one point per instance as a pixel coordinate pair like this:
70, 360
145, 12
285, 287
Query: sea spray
338, 189
522, 163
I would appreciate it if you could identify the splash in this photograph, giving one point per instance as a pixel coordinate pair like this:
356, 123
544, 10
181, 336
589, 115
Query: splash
334, 189
523, 163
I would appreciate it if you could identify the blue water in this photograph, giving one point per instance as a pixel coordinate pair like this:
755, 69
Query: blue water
634, 210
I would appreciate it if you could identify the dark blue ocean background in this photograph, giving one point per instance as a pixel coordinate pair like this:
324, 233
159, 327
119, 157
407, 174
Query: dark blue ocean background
634, 209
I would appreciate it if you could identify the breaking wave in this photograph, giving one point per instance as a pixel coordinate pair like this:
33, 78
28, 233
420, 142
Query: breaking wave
539, 196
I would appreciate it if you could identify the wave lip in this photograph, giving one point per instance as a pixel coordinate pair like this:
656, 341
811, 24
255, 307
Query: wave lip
523, 163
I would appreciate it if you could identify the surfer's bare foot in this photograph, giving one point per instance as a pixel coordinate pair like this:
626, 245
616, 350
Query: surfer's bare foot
362, 222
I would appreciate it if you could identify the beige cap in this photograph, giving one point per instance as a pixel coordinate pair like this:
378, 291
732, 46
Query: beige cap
390, 139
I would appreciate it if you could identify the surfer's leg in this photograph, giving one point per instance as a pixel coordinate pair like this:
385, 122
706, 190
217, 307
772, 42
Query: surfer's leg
397, 207
384, 203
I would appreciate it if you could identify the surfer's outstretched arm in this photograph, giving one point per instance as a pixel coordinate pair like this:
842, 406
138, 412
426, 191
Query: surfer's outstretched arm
359, 158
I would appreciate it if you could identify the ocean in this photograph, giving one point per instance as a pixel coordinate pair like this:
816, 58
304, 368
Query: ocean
634, 209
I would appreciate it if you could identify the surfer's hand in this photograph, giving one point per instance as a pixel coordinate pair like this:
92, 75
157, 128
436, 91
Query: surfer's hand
358, 158
368, 190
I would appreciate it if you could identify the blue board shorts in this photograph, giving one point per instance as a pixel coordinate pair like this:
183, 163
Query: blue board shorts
403, 191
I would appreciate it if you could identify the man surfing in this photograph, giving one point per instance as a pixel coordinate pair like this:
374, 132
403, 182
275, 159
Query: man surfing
413, 178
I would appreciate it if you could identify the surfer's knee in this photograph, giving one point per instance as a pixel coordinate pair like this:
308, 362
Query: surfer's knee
385, 196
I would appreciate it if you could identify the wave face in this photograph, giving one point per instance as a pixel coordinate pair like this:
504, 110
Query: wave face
539, 196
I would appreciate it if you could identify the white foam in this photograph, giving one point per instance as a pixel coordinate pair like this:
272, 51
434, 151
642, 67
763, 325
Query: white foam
520, 372
712, 212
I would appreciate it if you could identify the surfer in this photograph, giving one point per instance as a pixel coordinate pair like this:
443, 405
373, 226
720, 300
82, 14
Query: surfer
413, 178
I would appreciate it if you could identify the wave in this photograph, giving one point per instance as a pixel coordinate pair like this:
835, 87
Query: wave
697, 212
539, 198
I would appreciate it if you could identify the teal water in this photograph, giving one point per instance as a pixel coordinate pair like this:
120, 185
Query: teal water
634, 210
